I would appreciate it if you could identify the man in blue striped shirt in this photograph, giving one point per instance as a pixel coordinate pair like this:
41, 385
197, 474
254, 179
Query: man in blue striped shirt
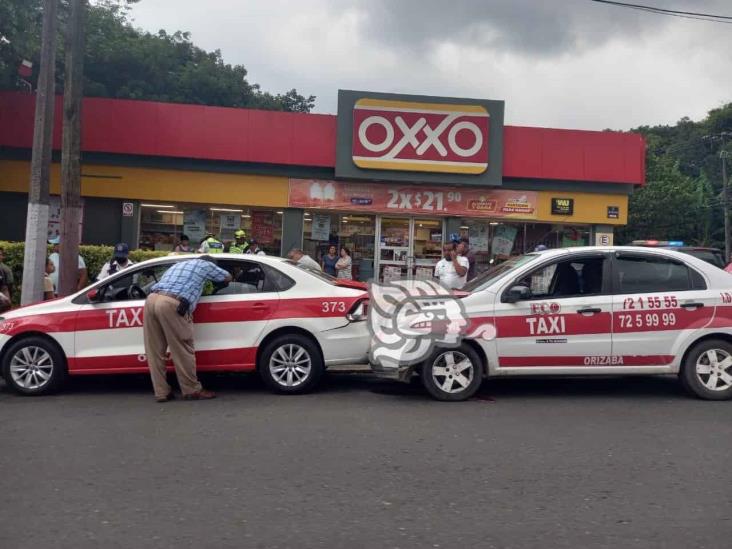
167, 323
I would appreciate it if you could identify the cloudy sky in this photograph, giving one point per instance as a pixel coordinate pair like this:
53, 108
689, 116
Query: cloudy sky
556, 63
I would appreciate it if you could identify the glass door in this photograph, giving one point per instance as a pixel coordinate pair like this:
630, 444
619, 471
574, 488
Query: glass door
394, 248
427, 238
408, 247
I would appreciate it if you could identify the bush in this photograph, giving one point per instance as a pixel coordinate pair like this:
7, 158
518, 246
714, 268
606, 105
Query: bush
94, 257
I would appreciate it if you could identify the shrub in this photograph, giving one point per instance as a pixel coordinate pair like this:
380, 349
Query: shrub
94, 257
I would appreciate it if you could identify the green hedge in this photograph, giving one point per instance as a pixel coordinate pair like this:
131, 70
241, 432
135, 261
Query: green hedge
94, 256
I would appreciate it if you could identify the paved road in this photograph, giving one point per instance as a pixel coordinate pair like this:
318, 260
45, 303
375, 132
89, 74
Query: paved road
366, 463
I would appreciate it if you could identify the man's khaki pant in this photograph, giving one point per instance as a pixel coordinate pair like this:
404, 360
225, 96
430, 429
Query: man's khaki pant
164, 328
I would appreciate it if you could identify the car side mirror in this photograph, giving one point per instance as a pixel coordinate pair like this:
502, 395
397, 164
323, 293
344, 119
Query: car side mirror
93, 295
516, 293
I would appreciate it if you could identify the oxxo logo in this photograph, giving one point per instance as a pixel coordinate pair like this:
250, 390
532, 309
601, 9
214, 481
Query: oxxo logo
425, 137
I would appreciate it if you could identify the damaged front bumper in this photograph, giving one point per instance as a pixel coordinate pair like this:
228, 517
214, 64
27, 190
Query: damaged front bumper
398, 373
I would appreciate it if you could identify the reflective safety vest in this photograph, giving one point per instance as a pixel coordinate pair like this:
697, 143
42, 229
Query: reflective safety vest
213, 246
235, 248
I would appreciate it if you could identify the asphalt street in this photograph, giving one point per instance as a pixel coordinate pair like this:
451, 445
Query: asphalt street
366, 463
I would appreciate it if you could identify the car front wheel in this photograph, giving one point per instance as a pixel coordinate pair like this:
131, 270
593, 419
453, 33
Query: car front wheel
452, 374
34, 366
291, 364
707, 370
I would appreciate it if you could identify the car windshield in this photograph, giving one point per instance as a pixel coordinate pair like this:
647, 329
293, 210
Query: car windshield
490, 276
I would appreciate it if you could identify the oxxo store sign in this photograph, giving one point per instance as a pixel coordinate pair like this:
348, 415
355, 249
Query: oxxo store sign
390, 137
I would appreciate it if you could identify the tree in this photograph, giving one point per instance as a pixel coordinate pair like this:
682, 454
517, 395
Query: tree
20, 37
123, 62
671, 206
687, 146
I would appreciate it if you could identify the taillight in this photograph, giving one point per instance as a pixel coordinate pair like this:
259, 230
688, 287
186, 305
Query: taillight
359, 311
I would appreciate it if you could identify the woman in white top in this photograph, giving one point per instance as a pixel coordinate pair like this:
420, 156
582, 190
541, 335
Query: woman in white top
343, 265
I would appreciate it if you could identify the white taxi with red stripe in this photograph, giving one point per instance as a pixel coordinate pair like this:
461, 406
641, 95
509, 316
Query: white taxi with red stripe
286, 321
590, 311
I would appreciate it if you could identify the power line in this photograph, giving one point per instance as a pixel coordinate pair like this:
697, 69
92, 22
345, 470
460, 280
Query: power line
672, 13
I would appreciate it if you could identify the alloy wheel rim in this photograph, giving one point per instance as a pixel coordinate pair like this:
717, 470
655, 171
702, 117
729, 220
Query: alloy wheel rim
452, 372
290, 365
31, 367
714, 369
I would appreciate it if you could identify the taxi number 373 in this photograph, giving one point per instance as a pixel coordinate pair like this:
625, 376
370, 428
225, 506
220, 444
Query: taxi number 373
334, 307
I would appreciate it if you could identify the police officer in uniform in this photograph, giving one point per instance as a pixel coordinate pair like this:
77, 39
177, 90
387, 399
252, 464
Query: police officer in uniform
240, 244
211, 245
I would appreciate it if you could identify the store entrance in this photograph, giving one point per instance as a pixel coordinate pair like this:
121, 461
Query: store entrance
409, 247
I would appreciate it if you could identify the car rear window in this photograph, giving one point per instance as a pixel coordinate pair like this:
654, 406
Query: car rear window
638, 274
710, 256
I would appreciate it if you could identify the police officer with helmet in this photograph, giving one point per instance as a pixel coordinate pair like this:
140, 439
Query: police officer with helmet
240, 244
211, 245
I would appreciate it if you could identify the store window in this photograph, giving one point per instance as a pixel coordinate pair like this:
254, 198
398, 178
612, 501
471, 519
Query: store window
493, 241
162, 225
556, 236
355, 232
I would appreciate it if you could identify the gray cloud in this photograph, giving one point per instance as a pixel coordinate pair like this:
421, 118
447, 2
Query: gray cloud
535, 27
561, 63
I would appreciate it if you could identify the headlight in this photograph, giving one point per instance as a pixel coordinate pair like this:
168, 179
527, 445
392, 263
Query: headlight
358, 312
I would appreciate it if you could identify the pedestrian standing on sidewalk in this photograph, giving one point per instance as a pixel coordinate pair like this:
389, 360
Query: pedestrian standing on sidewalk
184, 245
168, 323
47, 282
345, 264
5, 298
6, 272
328, 263
83, 275
464, 250
452, 269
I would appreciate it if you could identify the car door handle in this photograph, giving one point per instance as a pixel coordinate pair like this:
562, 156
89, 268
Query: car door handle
260, 306
692, 305
589, 310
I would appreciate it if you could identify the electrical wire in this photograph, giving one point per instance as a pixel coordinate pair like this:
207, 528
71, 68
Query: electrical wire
713, 18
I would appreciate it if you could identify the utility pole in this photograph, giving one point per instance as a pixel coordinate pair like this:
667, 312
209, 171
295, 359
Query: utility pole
722, 137
70, 150
36, 226
725, 197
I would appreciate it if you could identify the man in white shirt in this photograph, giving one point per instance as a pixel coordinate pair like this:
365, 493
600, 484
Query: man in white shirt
118, 262
54, 258
301, 258
452, 269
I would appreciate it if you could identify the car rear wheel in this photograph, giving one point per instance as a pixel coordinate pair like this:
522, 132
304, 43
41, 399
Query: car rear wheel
291, 364
34, 366
452, 374
707, 371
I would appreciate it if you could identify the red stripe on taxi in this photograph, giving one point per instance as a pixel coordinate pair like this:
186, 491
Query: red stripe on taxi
551, 361
218, 311
235, 360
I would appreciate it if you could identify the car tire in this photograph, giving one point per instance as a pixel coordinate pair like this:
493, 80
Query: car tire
707, 370
291, 364
445, 379
34, 366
